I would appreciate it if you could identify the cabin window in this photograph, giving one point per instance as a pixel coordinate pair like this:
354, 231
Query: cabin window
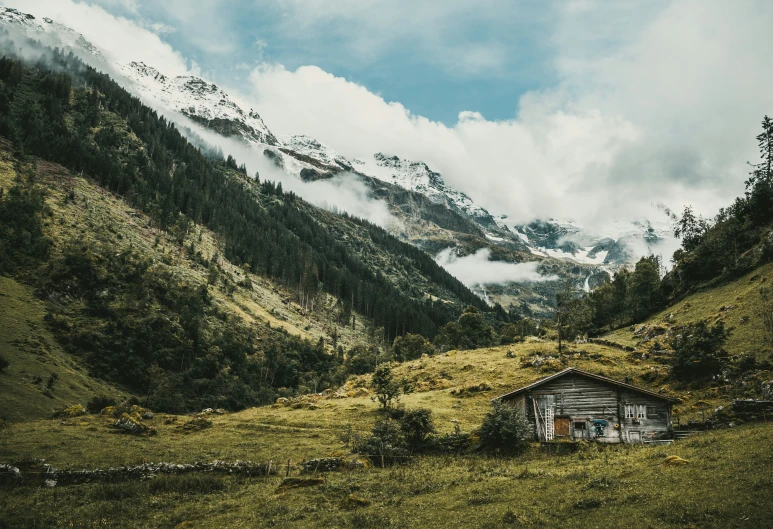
635, 411
579, 425
652, 412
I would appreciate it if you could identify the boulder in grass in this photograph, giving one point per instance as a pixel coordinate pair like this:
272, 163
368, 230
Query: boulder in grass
196, 424
674, 461
75, 410
132, 424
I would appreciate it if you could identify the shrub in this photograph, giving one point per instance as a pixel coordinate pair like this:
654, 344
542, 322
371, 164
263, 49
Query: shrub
417, 427
397, 436
455, 442
504, 429
3, 363
698, 351
386, 444
386, 387
411, 347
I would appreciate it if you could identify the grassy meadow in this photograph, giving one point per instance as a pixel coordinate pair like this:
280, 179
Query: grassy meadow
726, 482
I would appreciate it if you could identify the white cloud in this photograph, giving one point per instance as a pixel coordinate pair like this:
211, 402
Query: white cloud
119, 39
477, 270
668, 114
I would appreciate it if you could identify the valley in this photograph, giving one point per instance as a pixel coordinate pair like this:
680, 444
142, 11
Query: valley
205, 324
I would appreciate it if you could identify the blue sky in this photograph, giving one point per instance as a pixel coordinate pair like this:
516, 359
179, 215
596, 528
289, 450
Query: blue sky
480, 57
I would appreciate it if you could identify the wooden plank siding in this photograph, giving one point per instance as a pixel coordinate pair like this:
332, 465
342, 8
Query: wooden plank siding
582, 400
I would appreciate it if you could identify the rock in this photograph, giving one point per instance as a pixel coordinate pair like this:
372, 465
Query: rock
196, 424
148, 415
49, 483
72, 411
674, 461
132, 424
767, 390
9, 474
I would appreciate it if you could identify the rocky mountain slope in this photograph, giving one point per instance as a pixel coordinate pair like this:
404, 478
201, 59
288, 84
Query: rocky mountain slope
199, 100
431, 214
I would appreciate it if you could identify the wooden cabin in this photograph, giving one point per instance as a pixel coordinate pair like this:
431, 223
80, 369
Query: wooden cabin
574, 404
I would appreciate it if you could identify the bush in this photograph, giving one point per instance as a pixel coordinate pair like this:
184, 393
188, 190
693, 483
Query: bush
386, 444
99, 403
504, 429
396, 437
417, 427
698, 351
385, 385
3, 363
411, 347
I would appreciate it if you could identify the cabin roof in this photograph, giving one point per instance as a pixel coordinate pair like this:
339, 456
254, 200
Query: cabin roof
575, 371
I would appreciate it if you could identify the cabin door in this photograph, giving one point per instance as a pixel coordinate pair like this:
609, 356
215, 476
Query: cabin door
634, 437
562, 425
545, 411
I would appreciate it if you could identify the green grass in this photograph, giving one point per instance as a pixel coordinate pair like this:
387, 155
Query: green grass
282, 433
34, 354
725, 484
736, 303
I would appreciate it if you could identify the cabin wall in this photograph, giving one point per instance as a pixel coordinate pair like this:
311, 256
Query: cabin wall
579, 400
583, 400
656, 424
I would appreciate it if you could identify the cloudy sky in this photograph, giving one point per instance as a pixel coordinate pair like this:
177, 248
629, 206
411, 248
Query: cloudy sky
578, 109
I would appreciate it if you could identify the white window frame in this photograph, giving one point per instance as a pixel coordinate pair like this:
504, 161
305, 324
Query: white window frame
641, 411
630, 411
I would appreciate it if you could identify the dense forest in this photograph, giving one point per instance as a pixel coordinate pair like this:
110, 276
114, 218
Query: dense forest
48, 111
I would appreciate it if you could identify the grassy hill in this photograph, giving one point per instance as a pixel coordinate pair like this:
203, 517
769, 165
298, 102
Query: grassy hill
724, 484
736, 303
96, 217
34, 355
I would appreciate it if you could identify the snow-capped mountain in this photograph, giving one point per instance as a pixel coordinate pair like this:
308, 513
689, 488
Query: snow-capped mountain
50, 33
417, 176
305, 157
305, 146
618, 243
199, 100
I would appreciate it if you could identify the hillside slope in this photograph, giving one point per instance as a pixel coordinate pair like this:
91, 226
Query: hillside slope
27, 388
736, 303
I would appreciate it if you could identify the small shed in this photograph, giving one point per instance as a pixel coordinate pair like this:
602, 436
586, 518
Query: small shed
574, 404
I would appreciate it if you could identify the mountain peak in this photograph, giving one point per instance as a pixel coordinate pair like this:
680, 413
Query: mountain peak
199, 100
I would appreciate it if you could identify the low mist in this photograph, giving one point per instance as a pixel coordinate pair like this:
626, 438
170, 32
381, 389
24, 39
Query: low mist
477, 270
